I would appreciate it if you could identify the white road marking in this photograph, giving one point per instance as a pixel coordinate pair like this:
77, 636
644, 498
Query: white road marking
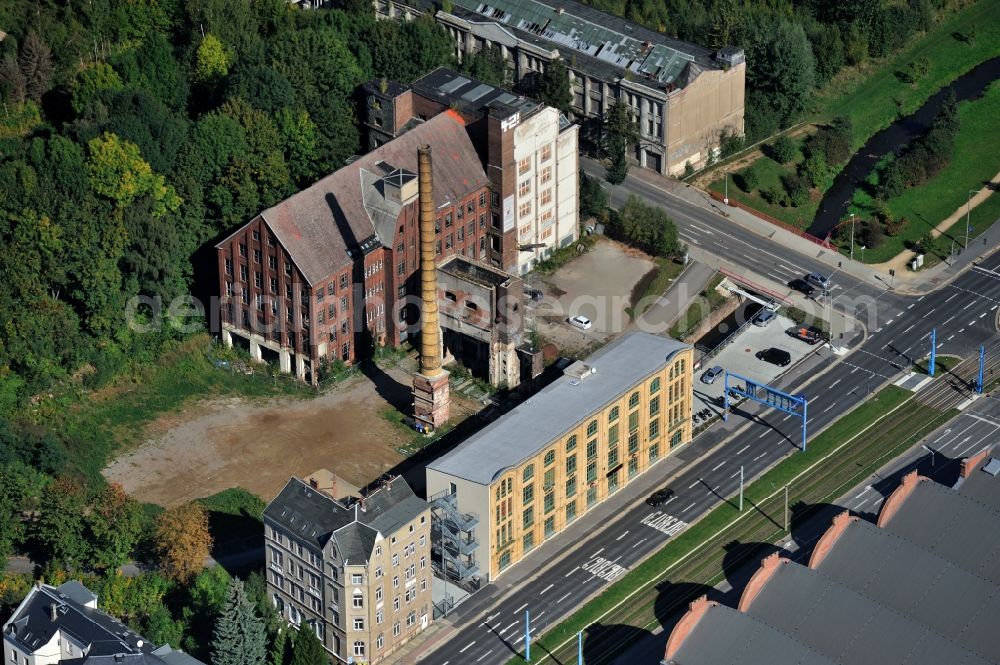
604, 569
520, 608
982, 315
542, 592
492, 617
834, 383
639, 542
694, 484
617, 539
565, 597
507, 628
596, 553
759, 456
719, 465
664, 523
735, 474
968, 306
828, 408
863, 492
911, 305
695, 226
910, 328
985, 420
466, 647
764, 433
572, 571
949, 337
689, 507
484, 655
743, 449
953, 296
949, 319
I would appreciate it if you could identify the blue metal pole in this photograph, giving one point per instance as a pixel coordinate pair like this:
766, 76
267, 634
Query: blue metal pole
579, 648
805, 420
527, 635
982, 370
725, 399
930, 365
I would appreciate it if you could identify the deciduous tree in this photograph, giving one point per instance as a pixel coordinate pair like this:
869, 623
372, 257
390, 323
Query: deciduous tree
60, 530
114, 523
183, 541
211, 61
552, 86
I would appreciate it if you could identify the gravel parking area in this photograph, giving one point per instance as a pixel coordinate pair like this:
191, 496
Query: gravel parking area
597, 285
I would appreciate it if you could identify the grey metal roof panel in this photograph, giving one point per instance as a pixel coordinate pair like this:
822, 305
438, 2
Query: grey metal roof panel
355, 542
982, 487
725, 636
958, 527
392, 506
849, 627
559, 407
916, 583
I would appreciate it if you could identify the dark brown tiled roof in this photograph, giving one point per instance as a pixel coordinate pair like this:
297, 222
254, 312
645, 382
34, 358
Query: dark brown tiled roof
324, 226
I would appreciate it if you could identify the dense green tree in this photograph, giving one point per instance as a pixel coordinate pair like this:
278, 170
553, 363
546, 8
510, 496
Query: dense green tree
113, 525
60, 529
620, 134
552, 86
487, 65
299, 140
153, 67
648, 228
262, 86
239, 633
307, 649
91, 82
21, 488
780, 65
593, 200
212, 60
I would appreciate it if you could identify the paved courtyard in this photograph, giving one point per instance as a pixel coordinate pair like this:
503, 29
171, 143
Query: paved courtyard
738, 357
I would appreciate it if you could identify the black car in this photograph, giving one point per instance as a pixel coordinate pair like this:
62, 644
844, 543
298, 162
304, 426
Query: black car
533, 294
778, 357
808, 334
802, 286
660, 497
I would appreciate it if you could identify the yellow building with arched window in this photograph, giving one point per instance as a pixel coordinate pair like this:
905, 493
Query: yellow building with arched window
539, 467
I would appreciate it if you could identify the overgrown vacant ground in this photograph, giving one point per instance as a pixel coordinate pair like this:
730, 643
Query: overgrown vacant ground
231, 442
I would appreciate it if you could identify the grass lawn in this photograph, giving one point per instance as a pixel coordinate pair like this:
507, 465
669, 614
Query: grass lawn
942, 364
874, 97
976, 159
100, 424
917, 418
769, 174
704, 304
653, 285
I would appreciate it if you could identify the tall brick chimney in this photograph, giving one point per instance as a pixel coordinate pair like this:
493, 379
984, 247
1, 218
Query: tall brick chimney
431, 398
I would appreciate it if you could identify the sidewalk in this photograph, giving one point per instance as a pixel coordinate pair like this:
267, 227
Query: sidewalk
669, 306
904, 282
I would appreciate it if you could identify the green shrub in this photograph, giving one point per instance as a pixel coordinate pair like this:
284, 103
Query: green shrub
783, 150
751, 180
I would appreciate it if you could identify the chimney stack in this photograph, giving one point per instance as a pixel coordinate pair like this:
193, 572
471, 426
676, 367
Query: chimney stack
431, 399
53, 612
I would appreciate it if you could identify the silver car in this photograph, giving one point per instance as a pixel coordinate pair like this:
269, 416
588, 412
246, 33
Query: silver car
711, 374
820, 280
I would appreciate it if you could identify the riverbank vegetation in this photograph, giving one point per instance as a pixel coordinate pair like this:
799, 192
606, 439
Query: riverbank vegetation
868, 96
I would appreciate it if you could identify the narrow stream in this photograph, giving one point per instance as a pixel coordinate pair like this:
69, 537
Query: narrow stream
833, 207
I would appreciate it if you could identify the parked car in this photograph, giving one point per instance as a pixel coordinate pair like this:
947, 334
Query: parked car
660, 497
533, 294
819, 280
764, 317
803, 287
775, 356
581, 322
711, 374
808, 334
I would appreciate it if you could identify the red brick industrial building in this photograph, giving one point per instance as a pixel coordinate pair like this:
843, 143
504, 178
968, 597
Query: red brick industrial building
323, 273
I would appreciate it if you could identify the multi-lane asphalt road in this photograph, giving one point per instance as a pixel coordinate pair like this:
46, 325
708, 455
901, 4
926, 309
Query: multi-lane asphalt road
490, 625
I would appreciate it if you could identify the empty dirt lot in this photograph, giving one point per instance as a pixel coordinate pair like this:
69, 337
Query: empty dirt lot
213, 445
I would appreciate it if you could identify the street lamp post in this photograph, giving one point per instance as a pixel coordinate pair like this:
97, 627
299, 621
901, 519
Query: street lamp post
863, 248
852, 236
726, 197
968, 211
931, 451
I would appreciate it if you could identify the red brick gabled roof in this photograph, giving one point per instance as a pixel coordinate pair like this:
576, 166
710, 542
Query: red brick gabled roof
322, 225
